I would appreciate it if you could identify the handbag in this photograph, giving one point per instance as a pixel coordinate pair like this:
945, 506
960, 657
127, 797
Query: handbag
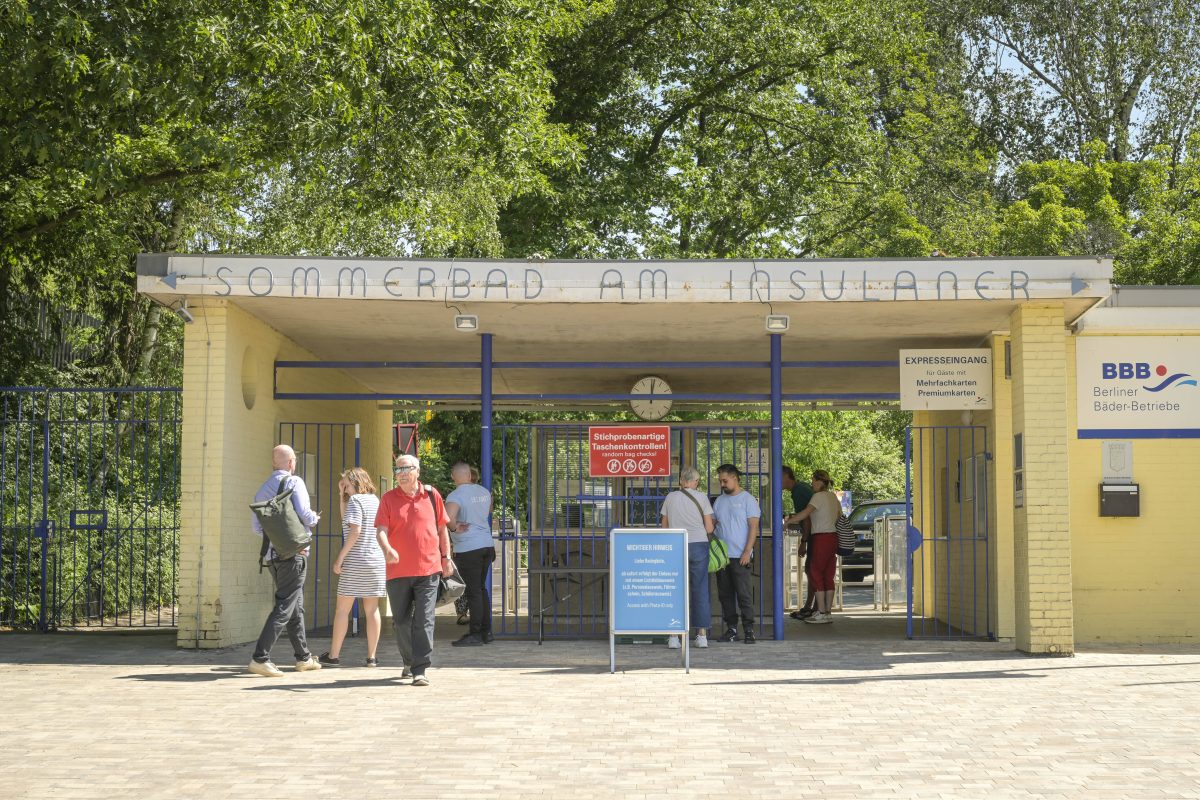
846, 538
450, 587
280, 523
718, 554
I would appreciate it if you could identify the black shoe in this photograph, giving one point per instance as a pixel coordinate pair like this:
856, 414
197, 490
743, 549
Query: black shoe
372, 662
469, 640
488, 637
730, 635
326, 661
749, 637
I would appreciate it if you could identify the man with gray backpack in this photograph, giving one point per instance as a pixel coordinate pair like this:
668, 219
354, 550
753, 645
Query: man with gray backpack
283, 518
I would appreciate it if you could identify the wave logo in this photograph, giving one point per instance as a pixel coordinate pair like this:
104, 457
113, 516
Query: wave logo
1142, 371
1175, 379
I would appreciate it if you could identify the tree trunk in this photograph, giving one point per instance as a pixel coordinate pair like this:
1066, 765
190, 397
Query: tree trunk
149, 340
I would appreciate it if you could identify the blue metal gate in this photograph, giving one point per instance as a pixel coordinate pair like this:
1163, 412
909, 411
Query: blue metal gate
89, 507
324, 450
553, 518
949, 561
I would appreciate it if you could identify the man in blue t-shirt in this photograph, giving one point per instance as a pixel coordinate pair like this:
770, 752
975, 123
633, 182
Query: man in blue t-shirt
469, 507
738, 514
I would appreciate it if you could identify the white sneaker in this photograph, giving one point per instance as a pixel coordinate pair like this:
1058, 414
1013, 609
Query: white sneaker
265, 669
673, 642
701, 641
820, 619
308, 664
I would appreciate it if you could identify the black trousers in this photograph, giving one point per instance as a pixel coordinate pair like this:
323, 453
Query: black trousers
734, 591
475, 566
288, 611
413, 603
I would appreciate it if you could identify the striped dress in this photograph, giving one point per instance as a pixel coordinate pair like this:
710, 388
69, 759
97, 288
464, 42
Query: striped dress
364, 569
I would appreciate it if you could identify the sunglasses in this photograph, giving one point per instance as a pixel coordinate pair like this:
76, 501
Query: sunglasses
404, 469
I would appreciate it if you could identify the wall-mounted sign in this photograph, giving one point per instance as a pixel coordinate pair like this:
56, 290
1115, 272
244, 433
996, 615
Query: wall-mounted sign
648, 573
758, 461
1137, 387
945, 380
629, 451
1116, 462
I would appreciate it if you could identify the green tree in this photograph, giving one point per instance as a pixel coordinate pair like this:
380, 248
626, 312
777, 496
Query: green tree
1050, 77
757, 129
157, 126
1146, 214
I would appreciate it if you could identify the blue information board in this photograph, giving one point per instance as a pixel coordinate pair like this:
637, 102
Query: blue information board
649, 576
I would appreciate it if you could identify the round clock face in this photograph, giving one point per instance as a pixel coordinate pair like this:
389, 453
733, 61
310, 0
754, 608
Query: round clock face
651, 408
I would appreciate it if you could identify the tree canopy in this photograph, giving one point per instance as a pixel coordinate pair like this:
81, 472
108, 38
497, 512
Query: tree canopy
574, 128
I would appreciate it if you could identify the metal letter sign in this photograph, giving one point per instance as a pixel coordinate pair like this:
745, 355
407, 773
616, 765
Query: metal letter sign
629, 451
648, 573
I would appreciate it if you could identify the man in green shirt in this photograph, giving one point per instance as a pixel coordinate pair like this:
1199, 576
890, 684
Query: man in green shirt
801, 493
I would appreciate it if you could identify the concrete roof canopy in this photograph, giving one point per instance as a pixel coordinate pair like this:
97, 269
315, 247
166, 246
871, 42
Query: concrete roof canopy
840, 310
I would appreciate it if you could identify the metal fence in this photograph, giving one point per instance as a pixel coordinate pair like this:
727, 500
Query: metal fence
89, 507
553, 519
324, 450
949, 562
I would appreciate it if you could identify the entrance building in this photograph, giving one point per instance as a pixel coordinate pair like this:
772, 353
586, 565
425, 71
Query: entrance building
1046, 507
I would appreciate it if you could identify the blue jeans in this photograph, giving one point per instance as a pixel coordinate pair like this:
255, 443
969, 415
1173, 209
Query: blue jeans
700, 600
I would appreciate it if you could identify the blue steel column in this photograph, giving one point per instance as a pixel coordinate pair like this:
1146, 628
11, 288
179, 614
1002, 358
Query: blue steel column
777, 481
485, 426
485, 408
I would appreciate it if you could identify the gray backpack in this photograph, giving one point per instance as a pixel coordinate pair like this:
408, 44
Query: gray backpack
282, 526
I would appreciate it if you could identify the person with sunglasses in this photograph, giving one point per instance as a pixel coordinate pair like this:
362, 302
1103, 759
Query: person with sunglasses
411, 529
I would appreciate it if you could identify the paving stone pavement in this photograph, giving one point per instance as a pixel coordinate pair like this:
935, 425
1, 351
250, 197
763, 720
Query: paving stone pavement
106, 716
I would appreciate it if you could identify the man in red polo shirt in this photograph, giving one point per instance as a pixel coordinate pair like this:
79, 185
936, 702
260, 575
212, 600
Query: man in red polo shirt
411, 528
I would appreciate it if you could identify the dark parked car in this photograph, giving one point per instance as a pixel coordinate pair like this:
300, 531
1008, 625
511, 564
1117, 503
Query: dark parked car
858, 566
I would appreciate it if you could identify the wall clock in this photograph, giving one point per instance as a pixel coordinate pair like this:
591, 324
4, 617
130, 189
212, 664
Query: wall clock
650, 408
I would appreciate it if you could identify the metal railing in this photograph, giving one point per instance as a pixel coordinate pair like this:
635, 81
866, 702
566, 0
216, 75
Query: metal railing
89, 507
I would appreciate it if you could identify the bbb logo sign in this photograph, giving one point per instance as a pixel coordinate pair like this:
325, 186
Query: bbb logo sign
1142, 371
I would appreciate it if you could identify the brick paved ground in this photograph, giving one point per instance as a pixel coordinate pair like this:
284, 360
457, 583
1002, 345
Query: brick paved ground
824, 715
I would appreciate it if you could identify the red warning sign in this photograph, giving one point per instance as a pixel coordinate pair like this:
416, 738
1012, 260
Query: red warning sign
629, 451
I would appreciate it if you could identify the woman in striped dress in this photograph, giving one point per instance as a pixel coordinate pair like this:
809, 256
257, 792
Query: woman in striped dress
360, 565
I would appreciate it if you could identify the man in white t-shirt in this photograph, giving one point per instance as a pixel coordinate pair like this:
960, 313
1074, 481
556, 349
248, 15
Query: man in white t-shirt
738, 515
469, 507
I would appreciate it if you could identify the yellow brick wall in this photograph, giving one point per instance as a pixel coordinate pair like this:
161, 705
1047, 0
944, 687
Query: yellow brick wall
204, 387
1041, 527
1134, 579
227, 455
1130, 579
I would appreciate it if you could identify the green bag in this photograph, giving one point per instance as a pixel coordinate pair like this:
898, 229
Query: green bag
718, 554
282, 526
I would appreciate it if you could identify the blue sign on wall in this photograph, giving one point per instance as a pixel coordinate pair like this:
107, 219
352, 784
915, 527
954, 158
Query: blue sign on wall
649, 577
